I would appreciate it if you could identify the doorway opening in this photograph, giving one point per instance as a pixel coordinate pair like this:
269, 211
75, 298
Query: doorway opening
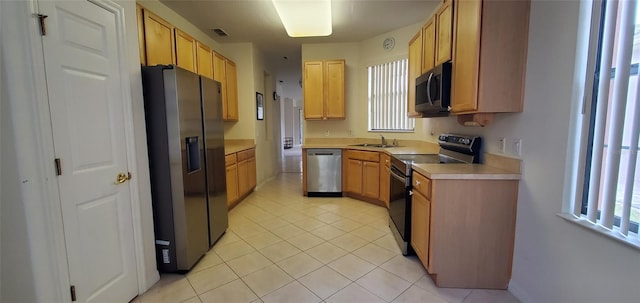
292, 135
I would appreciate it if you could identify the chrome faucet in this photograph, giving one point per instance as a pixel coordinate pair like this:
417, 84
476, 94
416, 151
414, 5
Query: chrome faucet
394, 143
384, 142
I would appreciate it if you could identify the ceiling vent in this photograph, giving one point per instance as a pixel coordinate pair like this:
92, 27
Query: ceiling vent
220, 32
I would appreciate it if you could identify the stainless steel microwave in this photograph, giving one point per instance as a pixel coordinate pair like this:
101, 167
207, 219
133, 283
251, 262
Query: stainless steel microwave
433, 91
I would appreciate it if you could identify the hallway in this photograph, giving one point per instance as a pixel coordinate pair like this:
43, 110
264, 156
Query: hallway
292, 160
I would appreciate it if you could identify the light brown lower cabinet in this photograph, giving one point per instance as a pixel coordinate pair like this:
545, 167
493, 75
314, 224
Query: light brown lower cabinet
420, 215
362, 175
384, 178
232, 178
241, 175
252, 172
463, 230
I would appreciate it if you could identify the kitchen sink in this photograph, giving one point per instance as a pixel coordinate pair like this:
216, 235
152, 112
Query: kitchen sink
374, 145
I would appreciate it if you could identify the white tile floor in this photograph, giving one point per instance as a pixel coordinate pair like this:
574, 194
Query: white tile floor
284, 247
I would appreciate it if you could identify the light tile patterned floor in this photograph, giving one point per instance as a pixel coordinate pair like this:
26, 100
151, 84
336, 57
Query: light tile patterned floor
284, 247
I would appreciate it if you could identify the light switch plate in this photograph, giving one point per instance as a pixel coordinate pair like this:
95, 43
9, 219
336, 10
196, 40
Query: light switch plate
517, 147
502, 142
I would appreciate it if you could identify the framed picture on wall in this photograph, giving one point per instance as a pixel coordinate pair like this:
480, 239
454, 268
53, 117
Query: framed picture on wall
260, 106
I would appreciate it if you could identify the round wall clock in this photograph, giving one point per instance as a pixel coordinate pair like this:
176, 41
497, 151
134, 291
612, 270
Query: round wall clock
388, 43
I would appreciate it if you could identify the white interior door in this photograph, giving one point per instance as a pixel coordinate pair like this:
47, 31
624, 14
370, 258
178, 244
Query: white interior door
83, 62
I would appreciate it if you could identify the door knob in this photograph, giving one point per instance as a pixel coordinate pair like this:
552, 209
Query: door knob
122, 177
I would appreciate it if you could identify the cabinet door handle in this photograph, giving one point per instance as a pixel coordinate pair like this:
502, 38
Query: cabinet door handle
417, 182
410, 193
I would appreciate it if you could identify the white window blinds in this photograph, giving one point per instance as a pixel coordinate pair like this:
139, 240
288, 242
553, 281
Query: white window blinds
387, 96
611, 190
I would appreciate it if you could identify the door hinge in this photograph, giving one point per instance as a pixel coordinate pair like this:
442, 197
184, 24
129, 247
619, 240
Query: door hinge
58, 167
73, 293
43, 26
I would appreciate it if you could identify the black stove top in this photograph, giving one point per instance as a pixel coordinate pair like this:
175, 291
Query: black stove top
403, 162
418, 158
453, 149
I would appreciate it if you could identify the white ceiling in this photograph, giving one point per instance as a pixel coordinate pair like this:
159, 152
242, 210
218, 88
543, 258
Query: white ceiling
256, 21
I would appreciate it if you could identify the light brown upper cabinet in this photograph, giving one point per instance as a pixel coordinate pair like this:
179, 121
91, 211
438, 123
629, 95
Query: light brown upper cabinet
185, 51
428, 45
323, 89
415, 69
158, 45
489, 58
141, 49
219, 75
313, 87
444, 25
204, 58
224, 71
232, 90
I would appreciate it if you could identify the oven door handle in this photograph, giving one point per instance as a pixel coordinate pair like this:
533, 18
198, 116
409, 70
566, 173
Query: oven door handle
401, 178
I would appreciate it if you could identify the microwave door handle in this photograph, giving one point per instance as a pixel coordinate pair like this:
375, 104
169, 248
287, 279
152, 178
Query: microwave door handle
429, 89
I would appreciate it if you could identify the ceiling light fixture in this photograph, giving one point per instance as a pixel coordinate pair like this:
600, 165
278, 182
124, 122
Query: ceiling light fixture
305, 18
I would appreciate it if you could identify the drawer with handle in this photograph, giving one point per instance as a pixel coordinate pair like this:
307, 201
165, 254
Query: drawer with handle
422, 184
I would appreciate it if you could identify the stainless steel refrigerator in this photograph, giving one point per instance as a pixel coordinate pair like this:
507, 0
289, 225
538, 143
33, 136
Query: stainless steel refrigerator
185, 138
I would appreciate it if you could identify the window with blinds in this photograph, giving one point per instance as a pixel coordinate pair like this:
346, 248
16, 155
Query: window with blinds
609, 196
387, 95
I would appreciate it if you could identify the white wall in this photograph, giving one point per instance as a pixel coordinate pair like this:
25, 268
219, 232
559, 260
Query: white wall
18, 279
271, 128
287, 118
297, 121
267, 133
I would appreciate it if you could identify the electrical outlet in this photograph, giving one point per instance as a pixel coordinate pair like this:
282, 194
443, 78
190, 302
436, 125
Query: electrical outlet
502, 142
326, 134
517, 147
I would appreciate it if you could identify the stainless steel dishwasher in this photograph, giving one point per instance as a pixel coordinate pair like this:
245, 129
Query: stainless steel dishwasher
324, 172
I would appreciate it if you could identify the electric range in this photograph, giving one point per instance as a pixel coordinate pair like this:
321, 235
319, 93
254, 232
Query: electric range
453, 149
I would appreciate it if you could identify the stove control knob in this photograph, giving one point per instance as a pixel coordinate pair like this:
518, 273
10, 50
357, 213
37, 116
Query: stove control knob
465, 141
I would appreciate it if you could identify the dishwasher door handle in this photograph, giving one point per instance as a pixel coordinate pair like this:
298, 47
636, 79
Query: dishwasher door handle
323, 154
